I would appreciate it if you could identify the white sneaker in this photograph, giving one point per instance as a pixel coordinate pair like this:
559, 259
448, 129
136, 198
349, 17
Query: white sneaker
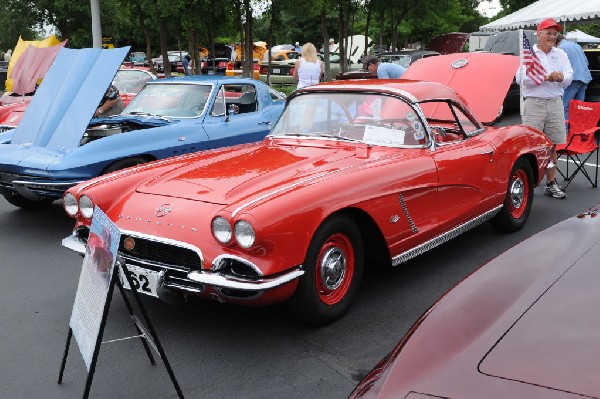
554, 190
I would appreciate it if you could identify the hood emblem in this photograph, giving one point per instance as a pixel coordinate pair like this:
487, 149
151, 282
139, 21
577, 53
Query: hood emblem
162, 210
459, 63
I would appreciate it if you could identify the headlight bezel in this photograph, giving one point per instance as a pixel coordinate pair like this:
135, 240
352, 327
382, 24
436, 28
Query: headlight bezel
225, 232
86, 206
70, 202
244, 233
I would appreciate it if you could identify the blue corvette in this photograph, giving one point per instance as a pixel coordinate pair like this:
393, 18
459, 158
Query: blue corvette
59, 144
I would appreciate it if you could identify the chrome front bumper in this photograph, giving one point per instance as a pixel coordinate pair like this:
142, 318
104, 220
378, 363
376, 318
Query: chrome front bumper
208, 277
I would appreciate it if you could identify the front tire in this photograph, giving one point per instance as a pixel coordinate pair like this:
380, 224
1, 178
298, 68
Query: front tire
333, 268
518, 200
124, 163
19, 201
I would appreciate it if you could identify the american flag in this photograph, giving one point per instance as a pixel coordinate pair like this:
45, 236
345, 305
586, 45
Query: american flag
533, 66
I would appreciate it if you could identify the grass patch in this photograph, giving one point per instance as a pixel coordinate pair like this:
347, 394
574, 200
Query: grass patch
286, 89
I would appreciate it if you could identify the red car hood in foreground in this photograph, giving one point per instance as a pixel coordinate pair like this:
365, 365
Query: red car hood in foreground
468, 74
524, 326
233, 174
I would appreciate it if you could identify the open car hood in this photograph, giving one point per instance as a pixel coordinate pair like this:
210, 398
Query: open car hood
482, 79
33, 65
65, 101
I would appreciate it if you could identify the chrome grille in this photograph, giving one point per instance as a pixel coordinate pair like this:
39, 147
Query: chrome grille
161, 254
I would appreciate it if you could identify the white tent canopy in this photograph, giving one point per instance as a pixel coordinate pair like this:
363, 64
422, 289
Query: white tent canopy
581, 37
576, 12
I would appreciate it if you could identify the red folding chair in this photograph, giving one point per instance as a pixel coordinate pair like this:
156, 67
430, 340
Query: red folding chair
581, 140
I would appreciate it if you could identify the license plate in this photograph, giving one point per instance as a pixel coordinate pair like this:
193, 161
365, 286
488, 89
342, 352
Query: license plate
276, 71
144, 280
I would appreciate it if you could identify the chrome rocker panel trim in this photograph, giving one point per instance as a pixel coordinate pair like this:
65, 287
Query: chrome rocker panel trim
442, 238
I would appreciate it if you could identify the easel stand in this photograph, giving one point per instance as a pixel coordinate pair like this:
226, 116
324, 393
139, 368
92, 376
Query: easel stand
145, 331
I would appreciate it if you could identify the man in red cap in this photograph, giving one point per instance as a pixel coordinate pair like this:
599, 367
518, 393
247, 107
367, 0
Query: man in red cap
543, 87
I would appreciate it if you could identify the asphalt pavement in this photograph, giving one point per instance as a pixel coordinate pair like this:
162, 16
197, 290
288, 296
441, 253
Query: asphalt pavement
217, 350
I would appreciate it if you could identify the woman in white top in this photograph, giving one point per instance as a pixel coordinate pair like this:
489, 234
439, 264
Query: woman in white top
308, 68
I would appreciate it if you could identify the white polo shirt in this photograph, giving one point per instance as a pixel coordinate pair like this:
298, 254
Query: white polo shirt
555, 61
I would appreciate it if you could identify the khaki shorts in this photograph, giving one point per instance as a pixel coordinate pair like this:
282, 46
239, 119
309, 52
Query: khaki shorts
546, 115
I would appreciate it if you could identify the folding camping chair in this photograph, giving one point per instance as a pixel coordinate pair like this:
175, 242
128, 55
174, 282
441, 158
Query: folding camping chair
581, 140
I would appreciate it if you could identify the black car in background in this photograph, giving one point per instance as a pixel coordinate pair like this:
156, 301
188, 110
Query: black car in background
175, 57
593, 90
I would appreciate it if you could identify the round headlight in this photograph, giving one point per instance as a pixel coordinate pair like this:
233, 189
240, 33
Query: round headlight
221, 229
86, 206
244, 233
70, 204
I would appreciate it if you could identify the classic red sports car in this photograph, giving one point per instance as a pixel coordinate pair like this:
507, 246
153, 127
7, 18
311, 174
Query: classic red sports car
526, 325
352, 171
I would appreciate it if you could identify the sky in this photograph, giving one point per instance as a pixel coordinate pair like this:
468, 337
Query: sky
489, 8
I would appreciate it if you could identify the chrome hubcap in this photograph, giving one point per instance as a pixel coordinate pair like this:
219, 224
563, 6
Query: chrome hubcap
517, 193
333, 268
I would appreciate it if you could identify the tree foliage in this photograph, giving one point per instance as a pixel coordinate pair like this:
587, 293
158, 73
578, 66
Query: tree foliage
155, 26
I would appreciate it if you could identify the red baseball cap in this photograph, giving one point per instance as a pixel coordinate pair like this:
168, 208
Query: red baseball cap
549, 23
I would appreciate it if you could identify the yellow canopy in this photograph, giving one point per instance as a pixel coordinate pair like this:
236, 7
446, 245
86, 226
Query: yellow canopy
20, 48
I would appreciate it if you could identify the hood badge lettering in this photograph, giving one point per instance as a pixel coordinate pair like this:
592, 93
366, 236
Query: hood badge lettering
162, 210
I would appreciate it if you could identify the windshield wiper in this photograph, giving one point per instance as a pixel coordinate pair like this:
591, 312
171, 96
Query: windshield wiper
140, 113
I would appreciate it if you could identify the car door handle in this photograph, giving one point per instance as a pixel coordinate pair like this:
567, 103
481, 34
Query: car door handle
264, 123
491, 152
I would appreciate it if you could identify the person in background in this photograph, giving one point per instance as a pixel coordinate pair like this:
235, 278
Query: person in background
8, 55
308, 68
383, 70
111, 103
297, 47
186, 65
542, 93
581, 72
332, 46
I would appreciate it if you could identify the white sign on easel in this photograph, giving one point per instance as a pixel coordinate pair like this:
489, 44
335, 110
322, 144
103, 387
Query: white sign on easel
94, 282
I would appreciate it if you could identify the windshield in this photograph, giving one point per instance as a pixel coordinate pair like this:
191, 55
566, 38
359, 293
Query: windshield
173, 100
370, 118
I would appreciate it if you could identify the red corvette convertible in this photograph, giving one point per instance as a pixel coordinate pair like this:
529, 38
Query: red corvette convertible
353, 172
526, 325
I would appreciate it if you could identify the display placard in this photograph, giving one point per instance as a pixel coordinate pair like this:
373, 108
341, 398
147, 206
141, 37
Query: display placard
94, 282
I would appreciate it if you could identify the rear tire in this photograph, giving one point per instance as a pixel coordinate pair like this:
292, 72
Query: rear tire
518, 200
18, 200
333, 268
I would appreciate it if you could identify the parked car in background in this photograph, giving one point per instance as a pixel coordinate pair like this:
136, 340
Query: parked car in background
282, 67
27, 73
592, 92
214, 66
404, 58
353, 174
55, 148
234, 68
448, 43
138, 58
525, 325
174, 57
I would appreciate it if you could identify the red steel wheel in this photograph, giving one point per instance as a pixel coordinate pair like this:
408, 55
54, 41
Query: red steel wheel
336, 269
333, 269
